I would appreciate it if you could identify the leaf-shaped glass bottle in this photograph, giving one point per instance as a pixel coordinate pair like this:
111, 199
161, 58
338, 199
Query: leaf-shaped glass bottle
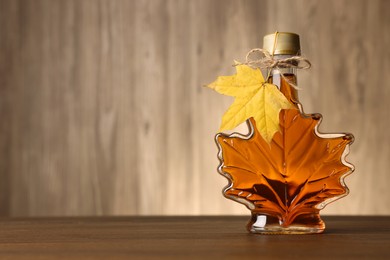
285, 183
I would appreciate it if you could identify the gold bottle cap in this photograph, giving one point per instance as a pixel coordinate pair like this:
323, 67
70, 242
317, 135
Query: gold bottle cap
282, 43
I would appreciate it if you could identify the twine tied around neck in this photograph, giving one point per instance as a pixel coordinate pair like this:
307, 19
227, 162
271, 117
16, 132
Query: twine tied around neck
270, 62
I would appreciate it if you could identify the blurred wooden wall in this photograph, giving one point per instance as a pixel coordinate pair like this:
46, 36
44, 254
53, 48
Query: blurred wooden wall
102, 109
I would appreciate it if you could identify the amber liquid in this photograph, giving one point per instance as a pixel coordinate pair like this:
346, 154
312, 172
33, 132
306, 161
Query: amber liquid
292, 178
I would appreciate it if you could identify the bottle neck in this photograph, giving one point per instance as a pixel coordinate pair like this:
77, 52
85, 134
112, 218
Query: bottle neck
284, 78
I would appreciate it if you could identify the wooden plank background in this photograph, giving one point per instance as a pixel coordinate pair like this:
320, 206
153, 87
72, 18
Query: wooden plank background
103, 112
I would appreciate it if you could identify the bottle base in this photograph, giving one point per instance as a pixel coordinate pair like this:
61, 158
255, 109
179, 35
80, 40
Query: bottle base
291, 230
268, 225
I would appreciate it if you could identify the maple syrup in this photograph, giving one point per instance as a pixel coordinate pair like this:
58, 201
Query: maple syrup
287, 181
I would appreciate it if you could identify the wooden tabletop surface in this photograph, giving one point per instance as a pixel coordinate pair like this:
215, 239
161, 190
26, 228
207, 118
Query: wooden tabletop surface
187, 238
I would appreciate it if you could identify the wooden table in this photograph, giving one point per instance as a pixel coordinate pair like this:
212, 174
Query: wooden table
187, 238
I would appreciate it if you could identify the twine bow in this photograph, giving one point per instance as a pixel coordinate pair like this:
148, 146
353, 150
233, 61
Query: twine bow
270, 62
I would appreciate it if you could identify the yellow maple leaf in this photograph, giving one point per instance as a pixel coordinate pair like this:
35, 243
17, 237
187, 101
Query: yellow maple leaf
253, 98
